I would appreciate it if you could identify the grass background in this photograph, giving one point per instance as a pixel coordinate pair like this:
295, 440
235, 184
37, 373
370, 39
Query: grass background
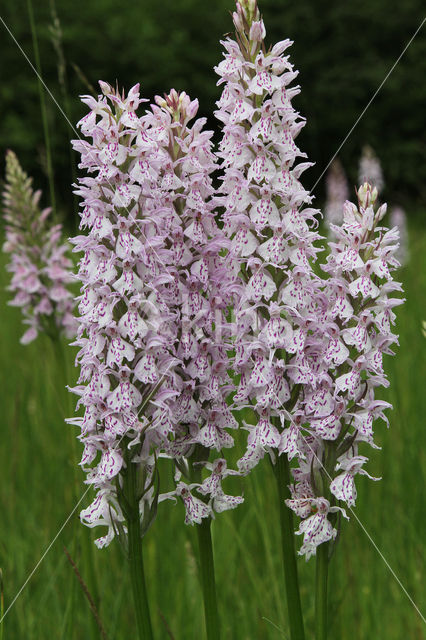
39, 485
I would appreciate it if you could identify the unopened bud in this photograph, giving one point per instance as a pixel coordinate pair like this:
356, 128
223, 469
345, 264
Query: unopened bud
238, 20
247, 13
381, 211
257, 31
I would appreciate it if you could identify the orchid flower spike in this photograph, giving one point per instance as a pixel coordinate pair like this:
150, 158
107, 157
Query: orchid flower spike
127, 329
41, 270
337, 191
271, 233
351, 335
204, 286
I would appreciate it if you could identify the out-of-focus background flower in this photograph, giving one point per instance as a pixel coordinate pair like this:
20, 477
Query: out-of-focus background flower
343, 50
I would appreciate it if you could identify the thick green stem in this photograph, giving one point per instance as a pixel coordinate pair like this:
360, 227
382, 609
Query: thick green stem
208, 579
321, 592
282, 474
205, 548
137, 575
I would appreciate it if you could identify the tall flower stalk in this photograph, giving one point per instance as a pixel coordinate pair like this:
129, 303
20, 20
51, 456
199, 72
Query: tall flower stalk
272, 244
126, 331
40, 267
197, 416
353, 332
153, 301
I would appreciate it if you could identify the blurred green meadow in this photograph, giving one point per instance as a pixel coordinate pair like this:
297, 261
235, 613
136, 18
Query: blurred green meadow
40, 484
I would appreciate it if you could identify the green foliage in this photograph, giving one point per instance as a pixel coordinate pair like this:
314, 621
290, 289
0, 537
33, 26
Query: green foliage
343, 51
37, 465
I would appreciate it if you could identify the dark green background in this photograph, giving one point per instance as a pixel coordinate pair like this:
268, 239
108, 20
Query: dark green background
342, 49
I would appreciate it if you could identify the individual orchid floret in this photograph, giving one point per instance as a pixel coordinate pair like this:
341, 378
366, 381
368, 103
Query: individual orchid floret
370, 169
103, 511
212, 486
337, 192
270, 230
195, 509
352, 334
316, 528
41, 270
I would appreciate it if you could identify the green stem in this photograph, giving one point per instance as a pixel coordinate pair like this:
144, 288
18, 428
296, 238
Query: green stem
321, 579
63, 83
205, 549
208, 579
135, 557
65, 404
43, 108
282, 474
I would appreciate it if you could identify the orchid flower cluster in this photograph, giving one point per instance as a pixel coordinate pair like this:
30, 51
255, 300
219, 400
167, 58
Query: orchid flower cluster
337, 192
186, 324
41, 270
154, 298
352, 333
271, 234
308, 350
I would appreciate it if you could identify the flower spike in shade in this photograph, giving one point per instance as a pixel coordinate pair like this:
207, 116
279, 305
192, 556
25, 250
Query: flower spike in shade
398, 218
41, 269
370, 169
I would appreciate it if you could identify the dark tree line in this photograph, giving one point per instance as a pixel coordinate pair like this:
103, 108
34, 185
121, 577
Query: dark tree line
343, 51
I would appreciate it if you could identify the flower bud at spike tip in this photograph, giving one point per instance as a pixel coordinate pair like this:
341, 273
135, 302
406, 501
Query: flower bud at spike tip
257, 31
179, 105
249, 10
246, 15
367, 195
